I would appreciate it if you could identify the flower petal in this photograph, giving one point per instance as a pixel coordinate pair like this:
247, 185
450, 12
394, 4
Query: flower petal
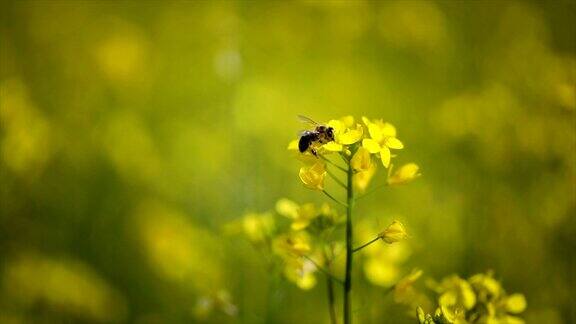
385, 156
351, 136
371, 145
388, 129
348, 120
337, 125
332, 147
375, 132
293, 145
394, 143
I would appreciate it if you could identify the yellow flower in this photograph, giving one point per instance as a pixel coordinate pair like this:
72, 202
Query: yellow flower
404, 290
456, 293
301, 215
292, 244
515, 303
345, 133
313, 175
382, 139
404, 174
395, 232
257, 227
301, 272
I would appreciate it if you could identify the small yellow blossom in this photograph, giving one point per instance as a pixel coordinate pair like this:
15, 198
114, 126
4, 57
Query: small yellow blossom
404, 290
404, 174
301, 272
257, 227
292, 244
345, 133
313, 175
456, 293
382, 139
302, 217
395, 232
515, 303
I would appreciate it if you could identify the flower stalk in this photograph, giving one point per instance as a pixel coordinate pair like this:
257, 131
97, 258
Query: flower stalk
349, 249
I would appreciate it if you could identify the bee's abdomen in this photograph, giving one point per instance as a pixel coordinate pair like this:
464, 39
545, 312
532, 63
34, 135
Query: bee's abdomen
303, 143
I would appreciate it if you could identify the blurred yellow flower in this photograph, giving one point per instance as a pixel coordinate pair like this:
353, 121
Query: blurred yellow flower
404, 174
515, 303
395, 232
301, 215
403, 290
456, 293
292, 244
382, 139
313, 175
257, 227
301, 272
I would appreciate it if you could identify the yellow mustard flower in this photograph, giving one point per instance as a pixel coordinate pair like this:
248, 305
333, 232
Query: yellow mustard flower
456, 293
515, 303
293, 244
257, 227
313, 175
301, 215
404, 288
346, 132
301, 272
382, 139
404, 174
395, 232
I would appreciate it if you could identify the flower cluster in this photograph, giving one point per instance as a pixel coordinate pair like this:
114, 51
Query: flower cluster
480, 299
291, 237
366, 144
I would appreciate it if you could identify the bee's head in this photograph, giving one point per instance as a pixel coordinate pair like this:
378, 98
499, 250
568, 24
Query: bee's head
330, 133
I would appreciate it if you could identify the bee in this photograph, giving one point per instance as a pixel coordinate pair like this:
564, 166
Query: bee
311, 139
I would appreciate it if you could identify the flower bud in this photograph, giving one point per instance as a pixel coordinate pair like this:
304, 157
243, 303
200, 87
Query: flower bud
361, 161
395, 232
404, 174
313, 176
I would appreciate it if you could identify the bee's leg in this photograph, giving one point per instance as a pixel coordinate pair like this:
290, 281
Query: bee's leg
313, 151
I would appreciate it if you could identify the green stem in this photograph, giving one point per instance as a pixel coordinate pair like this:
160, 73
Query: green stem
366, 244
334, 199
349, 250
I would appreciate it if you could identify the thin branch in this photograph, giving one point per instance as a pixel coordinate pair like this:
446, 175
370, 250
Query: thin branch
338, 181
366, 244
321, 269
334, 199
372, 190
332, 163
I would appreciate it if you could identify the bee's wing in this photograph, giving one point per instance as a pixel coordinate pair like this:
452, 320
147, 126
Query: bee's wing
303, 132
305, 119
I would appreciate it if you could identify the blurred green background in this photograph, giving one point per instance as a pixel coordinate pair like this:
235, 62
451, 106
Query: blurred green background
132, 132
